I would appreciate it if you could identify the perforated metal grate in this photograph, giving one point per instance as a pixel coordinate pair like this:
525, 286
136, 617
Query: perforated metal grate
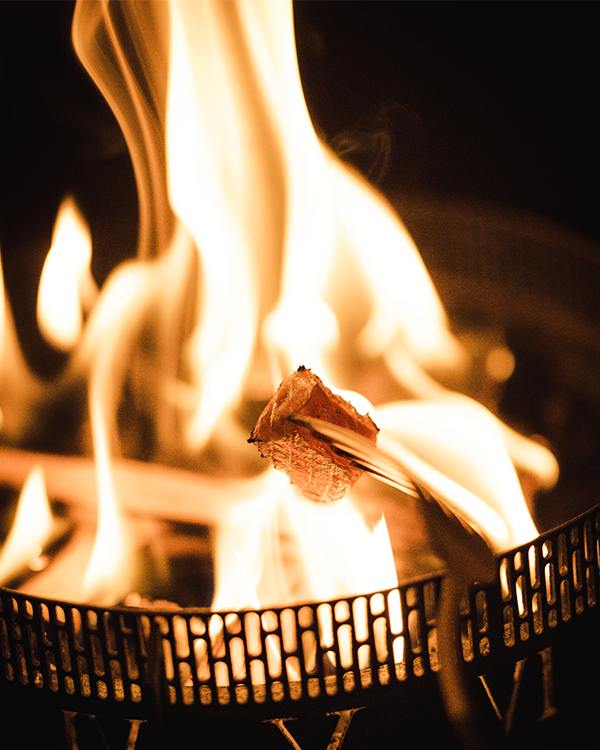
347, 652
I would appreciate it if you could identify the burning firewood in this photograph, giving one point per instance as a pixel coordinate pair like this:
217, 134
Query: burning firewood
309, 461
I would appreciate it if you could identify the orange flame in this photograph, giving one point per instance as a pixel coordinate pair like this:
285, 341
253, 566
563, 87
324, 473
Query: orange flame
259, 251
20, 391
30, 529
109, 576
292, 257
66, 285
280, 548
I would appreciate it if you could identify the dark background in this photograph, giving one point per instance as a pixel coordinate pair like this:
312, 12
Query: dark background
490, 100
485, 100
497, 101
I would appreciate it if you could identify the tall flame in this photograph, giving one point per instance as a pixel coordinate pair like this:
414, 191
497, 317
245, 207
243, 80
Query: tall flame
66, 285
109, 575
30, 529
276, 219
292, 258
20, 391
280, 548
259, 251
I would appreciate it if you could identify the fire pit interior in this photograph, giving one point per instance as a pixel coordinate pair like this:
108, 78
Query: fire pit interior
155, 664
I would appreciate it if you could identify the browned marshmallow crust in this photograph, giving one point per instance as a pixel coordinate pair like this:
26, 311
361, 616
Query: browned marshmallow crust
312, 464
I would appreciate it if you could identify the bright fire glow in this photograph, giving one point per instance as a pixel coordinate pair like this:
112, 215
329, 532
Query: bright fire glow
19, 389
2, 330
455, 449
66, 285
109, 575
30, 529
281, 549
259, 251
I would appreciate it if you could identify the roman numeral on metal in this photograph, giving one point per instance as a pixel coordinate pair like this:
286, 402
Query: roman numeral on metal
71, 731
549, 707
339, 733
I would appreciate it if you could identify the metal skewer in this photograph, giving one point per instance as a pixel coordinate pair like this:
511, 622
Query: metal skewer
387, 469
362, 452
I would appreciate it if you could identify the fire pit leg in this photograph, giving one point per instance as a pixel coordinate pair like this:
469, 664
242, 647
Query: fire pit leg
468, 560
517, 679
70, 730
550, 708
457, 690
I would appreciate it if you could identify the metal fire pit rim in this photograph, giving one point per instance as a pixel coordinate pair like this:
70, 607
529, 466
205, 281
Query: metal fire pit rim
176, 609
128, 660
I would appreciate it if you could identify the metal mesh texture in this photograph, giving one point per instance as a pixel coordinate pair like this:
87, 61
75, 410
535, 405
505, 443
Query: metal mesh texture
133, 662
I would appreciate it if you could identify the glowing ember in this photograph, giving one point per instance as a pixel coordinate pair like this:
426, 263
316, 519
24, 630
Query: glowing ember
258, 250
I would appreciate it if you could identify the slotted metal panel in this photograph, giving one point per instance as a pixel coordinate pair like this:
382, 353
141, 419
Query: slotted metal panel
328, 654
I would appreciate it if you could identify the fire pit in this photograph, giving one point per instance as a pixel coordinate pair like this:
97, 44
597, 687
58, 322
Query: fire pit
192, 668
342, 665
327, 671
